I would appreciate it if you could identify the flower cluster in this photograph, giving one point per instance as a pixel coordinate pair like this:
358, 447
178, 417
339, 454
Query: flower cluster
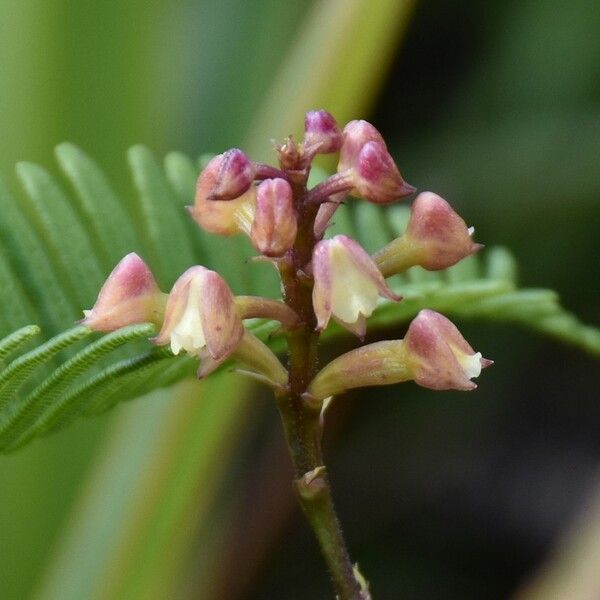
322, 279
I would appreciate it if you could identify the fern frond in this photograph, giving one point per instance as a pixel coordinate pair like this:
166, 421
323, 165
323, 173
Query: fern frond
15, 375
52, 214
168, 243
99, 206
33, 407
57, 279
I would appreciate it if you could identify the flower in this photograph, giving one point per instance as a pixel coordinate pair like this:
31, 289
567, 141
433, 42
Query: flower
433, 354
225, 216
201, 317
365, 160
435, 238
322, 132
275, 222
437, 234
347, 284
438, 356
129, 295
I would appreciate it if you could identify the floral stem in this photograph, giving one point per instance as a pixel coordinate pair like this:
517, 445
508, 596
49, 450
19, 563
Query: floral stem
314, 493
301, 418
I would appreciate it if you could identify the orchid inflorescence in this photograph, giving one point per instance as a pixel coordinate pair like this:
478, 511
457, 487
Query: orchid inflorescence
271, 205
322, 279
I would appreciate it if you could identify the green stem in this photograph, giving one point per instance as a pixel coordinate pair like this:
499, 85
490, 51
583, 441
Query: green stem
301, 418
303, 434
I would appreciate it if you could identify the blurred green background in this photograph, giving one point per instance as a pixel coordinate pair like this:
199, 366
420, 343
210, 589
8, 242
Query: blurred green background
496, 106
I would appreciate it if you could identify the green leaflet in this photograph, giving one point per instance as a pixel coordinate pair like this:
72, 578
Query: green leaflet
169, 247
100, 208
53, 215
39, 277
17, 338
38, 397
17, 372
14, 428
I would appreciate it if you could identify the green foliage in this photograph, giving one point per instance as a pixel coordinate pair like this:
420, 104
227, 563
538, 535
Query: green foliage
38, 396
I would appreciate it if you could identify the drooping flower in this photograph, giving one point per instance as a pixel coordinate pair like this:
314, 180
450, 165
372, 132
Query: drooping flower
201, 316
433, 353
436, 238
439, 233
130, 295
439, 356
347, 284
275, 222
368, 166
225, 216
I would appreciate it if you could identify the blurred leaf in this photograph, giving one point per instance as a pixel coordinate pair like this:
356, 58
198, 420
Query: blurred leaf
341, 56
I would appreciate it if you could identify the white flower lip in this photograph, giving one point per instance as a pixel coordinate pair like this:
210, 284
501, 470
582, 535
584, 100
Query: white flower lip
470, 363
201, 316
352, 293
188, 333
347, 284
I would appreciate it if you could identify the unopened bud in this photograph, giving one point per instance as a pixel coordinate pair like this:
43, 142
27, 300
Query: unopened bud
130, 295
347, 284
201, 316
236, 174
438, 355
223, 217
442, 237
275, 223
356, 135
436, 238
321, 130
376, 176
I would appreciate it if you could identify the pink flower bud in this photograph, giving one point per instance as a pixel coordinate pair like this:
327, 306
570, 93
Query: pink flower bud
322, 130
356, 135
376, 177
347, 284
236, 174
275, 222
223, 217
438, 236
130, 295
201, 316
438, 356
